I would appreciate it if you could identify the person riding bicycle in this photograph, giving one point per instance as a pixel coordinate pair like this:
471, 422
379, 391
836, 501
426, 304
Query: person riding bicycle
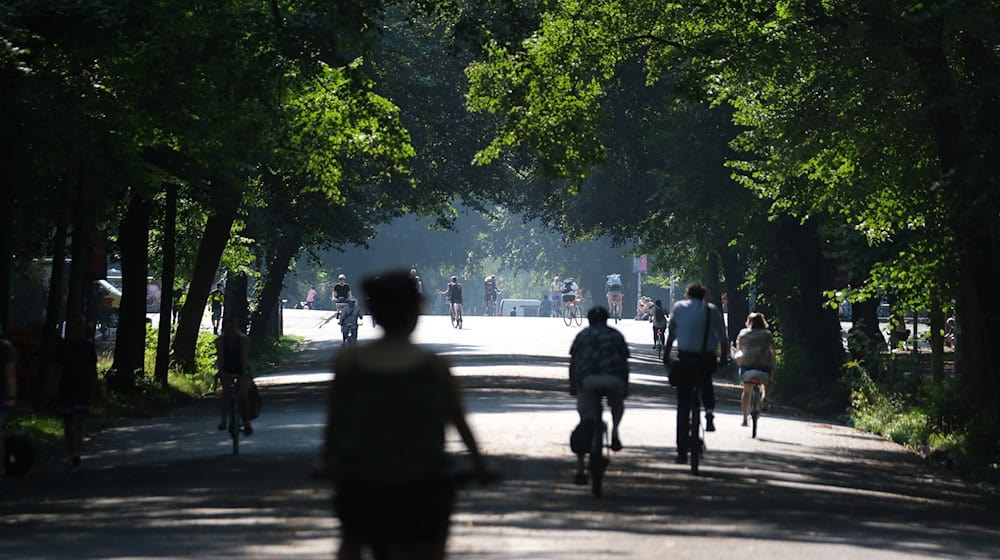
695, 361
659, 319
755, 355
614, 292
454, 293
598, 366
232, 349
349, 320
490, 292
341, 292
570, 293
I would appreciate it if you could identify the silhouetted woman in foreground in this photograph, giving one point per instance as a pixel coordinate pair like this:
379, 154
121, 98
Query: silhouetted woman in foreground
385, 440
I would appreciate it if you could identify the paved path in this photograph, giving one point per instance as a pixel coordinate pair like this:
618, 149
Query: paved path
169, 488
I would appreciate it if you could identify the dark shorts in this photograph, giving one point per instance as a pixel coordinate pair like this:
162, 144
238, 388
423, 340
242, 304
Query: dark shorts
614, 289
568, 297
216, 313
407, 511
456, 300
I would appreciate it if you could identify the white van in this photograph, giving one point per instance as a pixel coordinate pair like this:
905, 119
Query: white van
524, 307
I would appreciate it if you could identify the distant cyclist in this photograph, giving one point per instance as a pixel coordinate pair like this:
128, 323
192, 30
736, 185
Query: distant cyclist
754, 353
659, 319
349, 320
614, 292
570, 291
233, 358
454, 293
598, 367
490, 292
341, 293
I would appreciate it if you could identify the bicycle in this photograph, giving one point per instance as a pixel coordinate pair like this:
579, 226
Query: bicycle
696, 433
571, 313
615, 309
491, 306
598, 461
659, 343
456, 316
756, 400
232, 389
350, 335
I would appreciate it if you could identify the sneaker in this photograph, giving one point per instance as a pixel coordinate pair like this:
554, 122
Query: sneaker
681, 458
222, 426
616, 444
580, 479
710, 422
247, 430
744, 424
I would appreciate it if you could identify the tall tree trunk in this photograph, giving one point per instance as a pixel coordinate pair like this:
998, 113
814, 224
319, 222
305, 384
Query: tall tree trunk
977, 246
53, 307
237, 304
267, 303
809, 329
7, 217
130, 344
213, 243
80, 288
737, 303
937, 325
713, 282
169, 272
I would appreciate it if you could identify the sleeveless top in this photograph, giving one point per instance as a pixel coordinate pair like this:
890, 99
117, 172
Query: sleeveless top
390, 426
232, 356
753, 349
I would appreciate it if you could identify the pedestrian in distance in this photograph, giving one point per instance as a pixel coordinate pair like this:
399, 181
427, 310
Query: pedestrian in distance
698, 328
389, 404
77, 360
216, 299
598, 367
311, 297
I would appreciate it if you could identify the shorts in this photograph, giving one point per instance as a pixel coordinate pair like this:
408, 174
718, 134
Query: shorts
615, 290
216, 313
746, 374
568, 297
593, 387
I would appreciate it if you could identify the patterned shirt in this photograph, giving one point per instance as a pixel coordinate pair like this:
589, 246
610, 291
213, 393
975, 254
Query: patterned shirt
600, 350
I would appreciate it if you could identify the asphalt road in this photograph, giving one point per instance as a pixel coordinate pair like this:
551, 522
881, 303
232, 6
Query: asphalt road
169, 487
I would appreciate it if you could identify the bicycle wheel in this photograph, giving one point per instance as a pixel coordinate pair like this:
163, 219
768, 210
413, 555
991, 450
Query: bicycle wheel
598, 462
460, 319
567, 316
695, 445
234, 421
578, 316
454, 319
755, 408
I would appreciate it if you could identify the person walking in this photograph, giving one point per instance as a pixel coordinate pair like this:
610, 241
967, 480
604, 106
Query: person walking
384, 444
598, 367
216, 299
698, 329
77, 359
311, 297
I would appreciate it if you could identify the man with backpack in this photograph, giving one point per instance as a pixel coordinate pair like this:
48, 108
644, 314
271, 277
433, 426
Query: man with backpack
615, 292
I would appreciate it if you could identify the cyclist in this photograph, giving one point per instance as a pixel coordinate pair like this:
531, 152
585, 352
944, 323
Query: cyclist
659, 320
415, 278
349, 320
233, 359
598, 366
454, 293
614, 292
570, 293
216, 298
490, 292
696, 341
341, 293
754, 351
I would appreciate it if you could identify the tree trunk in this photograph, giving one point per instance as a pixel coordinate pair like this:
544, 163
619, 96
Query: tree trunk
808, 327
7, 217
713, 284
162, 367
130, 344
737, 303
977, 246
237, 305
267, 303
53, 308
213, 243
80, 289
937, 320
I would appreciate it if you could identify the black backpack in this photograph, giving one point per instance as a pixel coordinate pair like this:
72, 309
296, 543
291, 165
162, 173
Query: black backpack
18, 453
